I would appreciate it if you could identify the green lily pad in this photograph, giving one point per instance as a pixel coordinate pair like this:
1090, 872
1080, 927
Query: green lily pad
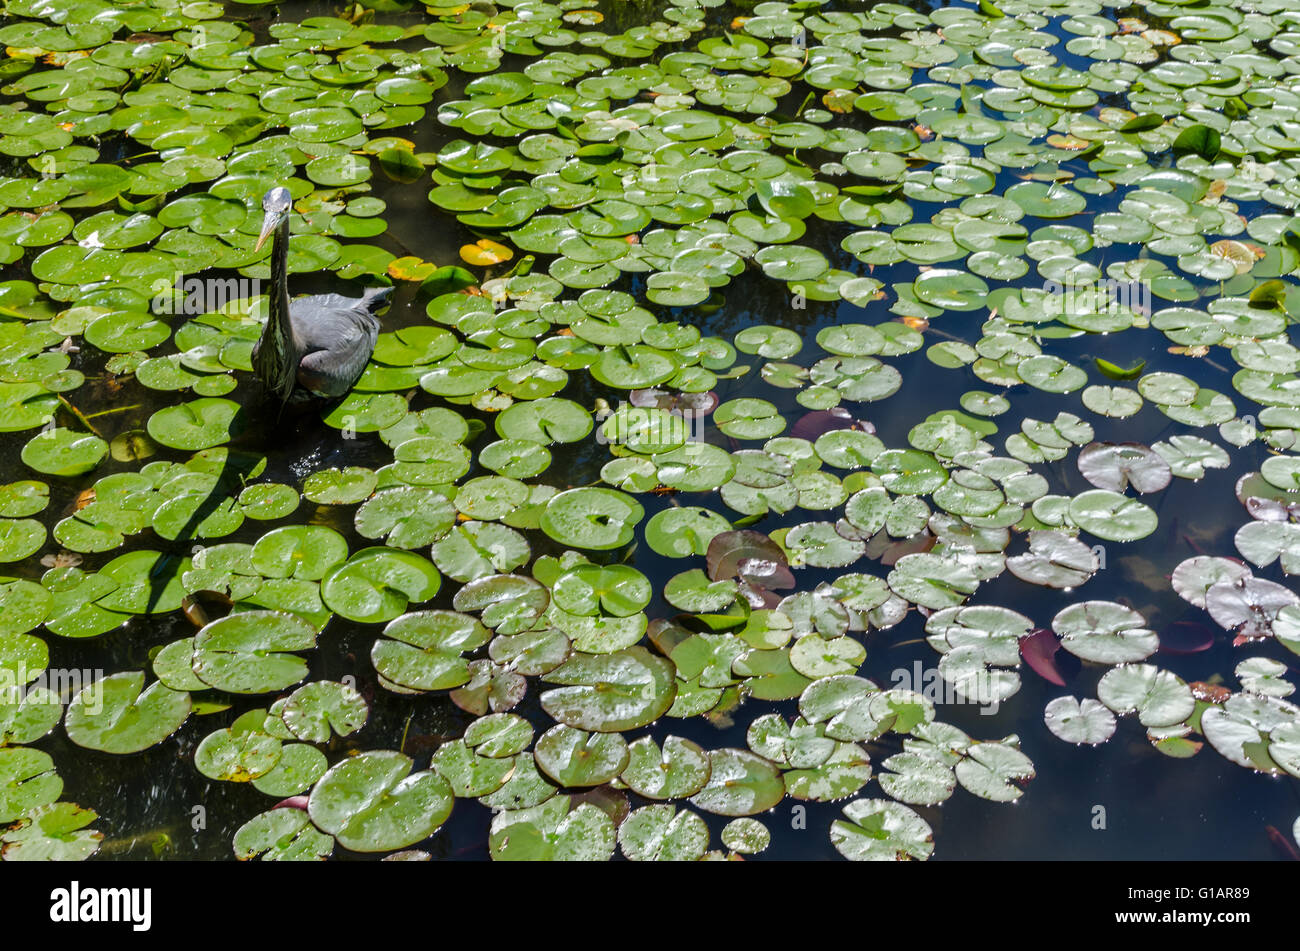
1112, 516
740, 784
576, 758
119, 715
408, 517
591, 518
62, 452
237, 757
677, 770
316, 709
29, 781
53, 832
617, 589
282, 835
251, 651
198, 424
610, 692
662, 833
376, 584
556, 830
424, 650
306, 552
374, 803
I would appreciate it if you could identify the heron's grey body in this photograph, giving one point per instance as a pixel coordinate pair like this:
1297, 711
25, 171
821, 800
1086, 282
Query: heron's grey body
331, 339
316, 345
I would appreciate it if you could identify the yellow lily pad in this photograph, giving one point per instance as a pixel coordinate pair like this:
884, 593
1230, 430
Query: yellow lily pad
484, 253
410, 269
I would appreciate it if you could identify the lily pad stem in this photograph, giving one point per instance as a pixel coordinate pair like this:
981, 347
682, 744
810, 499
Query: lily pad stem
80, 416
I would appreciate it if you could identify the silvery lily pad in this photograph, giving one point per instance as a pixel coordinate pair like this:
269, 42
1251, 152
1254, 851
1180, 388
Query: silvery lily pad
1159, 697
1115, 466
1054, 560
1105, 632
1078, 722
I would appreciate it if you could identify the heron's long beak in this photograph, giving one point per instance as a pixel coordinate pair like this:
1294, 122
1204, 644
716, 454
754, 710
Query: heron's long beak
269, 224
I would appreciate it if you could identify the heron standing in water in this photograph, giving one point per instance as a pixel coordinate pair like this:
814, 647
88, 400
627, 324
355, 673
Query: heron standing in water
318, 344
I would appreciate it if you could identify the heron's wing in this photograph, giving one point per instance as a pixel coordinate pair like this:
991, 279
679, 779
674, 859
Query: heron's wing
337, 336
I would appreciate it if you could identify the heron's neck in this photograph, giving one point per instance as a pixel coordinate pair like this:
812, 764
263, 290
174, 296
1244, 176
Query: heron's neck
279, 301
275, 357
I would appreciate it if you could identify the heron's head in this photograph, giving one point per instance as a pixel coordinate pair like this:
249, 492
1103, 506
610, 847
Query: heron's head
276, 203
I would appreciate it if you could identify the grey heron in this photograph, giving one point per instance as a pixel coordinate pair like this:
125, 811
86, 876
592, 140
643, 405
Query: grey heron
320, 343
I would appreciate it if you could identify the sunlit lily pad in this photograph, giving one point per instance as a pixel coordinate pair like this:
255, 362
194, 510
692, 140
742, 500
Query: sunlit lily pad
556, 830
376, 584
423, 650
880, 830
1111, 516
197, 424
591, 518
235, 756
374, 803
280, 835
610, 692
1105, 632
251, 651
740, 784
116, 715
676, 770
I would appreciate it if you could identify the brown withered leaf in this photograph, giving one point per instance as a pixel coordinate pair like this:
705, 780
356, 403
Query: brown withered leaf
1209, 693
